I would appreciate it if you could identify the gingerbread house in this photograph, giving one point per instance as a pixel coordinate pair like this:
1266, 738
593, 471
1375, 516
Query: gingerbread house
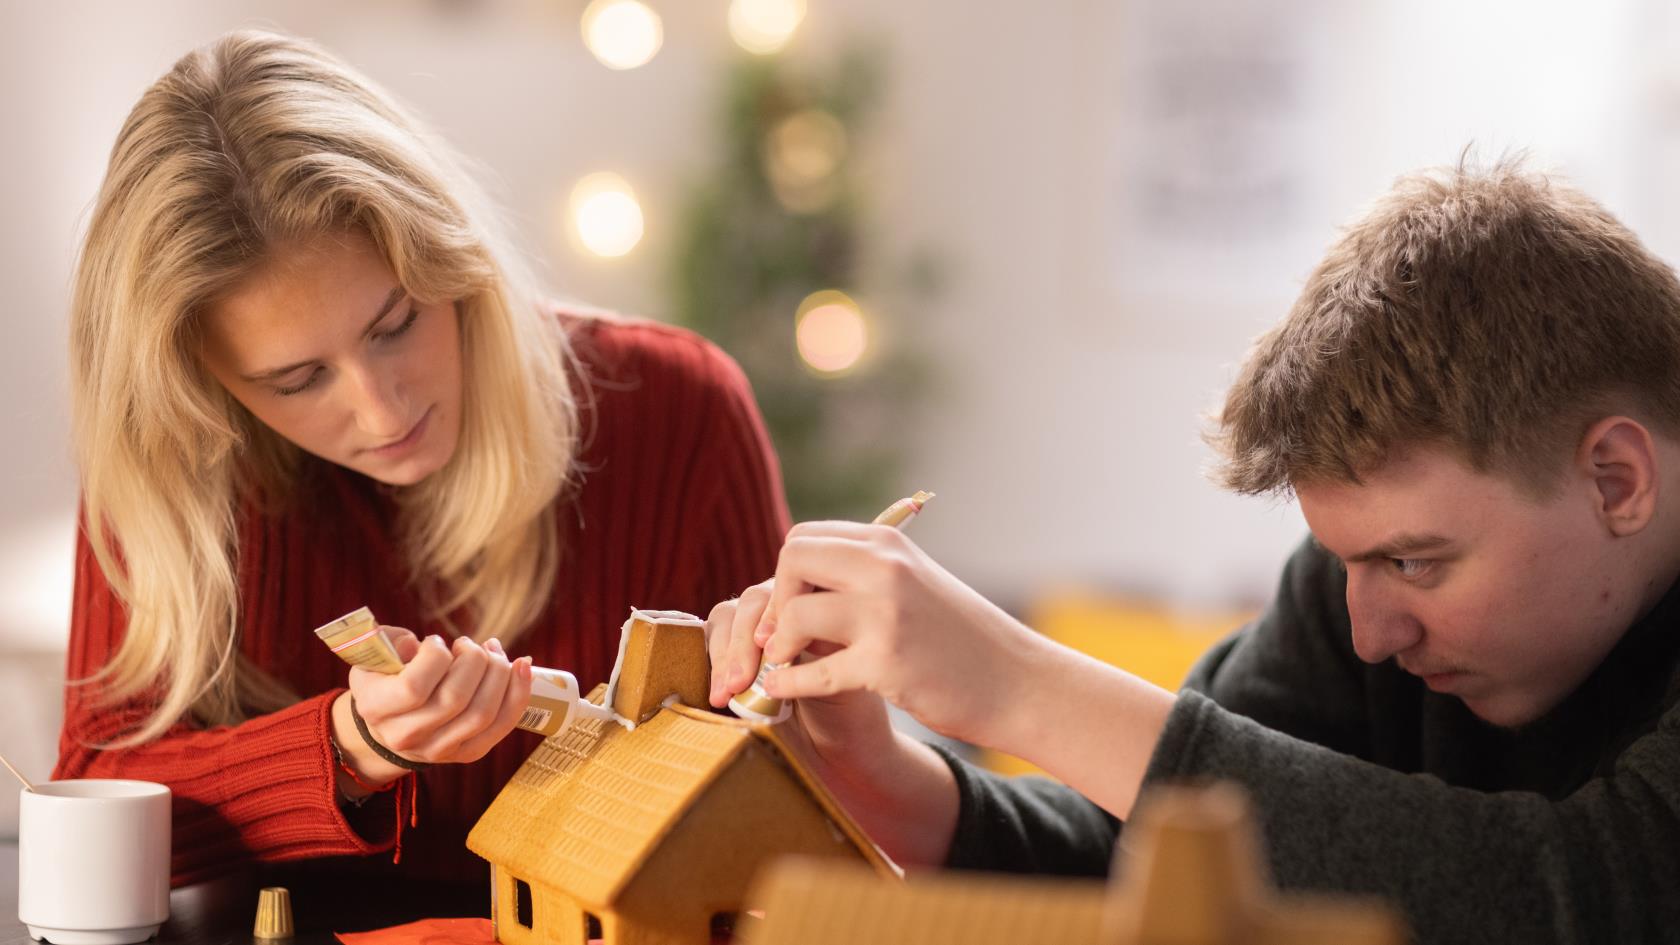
1189, 873
648, 831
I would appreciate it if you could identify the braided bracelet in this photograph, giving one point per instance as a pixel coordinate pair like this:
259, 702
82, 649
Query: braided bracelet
378, 749
349, 772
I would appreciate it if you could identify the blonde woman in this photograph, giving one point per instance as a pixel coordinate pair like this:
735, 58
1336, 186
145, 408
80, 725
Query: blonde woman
308, 377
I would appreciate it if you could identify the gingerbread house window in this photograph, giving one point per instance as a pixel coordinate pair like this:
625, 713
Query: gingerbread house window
522, 907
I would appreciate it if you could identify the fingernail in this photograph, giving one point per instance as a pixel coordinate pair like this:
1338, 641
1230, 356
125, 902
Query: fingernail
734, 672
525, 666
763, 631
495, 646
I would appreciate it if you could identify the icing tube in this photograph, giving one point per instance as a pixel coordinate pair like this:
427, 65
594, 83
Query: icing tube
555, 702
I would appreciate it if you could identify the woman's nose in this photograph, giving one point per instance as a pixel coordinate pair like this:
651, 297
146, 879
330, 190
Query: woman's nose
378, 405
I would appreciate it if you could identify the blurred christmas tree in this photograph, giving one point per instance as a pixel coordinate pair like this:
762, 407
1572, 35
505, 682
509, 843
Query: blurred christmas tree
768, 261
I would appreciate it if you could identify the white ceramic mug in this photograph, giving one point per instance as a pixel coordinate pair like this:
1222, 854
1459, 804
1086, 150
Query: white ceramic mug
93, 861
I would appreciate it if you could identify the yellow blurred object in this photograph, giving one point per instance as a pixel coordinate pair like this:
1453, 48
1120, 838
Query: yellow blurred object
1148, 639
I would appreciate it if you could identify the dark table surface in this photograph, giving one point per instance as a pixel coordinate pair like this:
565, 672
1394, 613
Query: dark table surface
221, 912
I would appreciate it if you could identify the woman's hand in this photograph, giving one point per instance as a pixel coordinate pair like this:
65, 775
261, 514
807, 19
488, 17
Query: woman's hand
882, 616
896, 788
451, 703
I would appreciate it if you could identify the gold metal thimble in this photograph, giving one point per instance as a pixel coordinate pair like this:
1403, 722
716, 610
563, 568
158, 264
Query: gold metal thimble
274, 913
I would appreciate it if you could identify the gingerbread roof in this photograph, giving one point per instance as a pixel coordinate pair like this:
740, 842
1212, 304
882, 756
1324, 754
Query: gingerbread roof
592, 803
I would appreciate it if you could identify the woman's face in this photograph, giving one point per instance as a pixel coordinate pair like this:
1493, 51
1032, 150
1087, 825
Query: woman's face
321, 344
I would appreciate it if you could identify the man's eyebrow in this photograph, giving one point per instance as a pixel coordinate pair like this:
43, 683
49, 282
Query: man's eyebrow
1401, 545
274, 373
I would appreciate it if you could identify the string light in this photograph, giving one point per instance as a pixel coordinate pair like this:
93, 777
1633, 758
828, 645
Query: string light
830, 332
623, 34
764, 26
605, 214
802, 153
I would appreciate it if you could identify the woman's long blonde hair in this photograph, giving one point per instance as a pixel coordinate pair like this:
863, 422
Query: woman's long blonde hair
252, 141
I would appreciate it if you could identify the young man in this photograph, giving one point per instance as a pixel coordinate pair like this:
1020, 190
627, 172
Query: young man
1463, 697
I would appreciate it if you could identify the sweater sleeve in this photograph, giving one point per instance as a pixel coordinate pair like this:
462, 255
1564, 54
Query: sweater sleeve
1026, 824
1600, 865
264, 789
1034, 824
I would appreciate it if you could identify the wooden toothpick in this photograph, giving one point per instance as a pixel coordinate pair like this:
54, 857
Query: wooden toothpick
17, 774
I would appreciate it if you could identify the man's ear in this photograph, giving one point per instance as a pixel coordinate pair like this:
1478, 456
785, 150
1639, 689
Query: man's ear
1617, 454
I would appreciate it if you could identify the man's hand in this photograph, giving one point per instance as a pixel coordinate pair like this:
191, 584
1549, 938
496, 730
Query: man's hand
896, 788
867, 611
882, 616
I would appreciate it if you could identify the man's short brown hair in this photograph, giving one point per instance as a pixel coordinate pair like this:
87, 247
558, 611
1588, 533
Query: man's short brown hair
1495, 312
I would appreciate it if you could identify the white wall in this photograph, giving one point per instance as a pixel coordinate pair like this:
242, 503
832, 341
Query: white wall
1066, 447
1077, 348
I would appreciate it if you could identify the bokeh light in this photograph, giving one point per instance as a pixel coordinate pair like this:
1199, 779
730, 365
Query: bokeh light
802, 155
830, 332
623, 34
764, 26
605, 215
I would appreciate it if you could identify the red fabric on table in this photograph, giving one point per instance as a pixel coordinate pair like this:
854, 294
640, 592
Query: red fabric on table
425, 932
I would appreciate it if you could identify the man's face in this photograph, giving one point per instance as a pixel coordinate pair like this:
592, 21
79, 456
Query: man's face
1500, 599
325, 347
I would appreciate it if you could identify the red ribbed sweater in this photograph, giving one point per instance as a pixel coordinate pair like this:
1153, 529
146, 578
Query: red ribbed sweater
680, 506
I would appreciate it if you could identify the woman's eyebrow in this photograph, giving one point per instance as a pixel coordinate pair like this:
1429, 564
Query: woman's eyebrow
391, 300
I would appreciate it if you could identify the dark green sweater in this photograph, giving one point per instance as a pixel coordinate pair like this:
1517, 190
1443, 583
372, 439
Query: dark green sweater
1567, 830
